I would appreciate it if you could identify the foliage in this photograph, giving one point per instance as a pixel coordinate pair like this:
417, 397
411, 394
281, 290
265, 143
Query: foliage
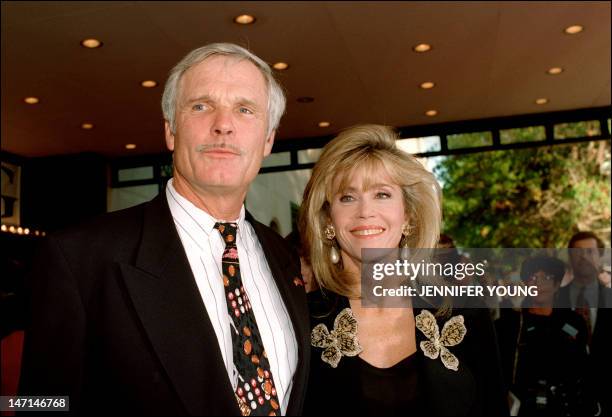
536, 197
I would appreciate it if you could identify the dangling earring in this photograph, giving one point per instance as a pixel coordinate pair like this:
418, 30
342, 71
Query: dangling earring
330, 234
406, 231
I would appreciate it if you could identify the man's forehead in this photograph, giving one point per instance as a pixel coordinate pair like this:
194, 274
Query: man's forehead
225, 71
587, 243
216, 65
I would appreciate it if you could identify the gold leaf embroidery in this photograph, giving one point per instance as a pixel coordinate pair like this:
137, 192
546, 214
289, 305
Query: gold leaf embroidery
453, 333
341, 341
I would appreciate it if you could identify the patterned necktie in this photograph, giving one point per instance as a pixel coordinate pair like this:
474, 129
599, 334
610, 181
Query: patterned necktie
255, 392
583, 309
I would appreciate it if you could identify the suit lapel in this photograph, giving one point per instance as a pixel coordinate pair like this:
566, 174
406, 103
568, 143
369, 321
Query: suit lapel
166, 298
295, 301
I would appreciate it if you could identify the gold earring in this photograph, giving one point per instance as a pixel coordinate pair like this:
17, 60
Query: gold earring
330, 234
407, 229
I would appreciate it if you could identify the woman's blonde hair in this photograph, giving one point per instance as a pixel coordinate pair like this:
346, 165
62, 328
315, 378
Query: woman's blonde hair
369, 147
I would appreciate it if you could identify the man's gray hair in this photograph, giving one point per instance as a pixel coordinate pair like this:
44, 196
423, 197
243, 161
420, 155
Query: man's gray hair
276, 97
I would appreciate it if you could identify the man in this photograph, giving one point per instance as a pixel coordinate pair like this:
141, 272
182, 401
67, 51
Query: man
185, 304
590, 294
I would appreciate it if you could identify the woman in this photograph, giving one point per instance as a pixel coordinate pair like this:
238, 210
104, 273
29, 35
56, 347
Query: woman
544, 350
366, 193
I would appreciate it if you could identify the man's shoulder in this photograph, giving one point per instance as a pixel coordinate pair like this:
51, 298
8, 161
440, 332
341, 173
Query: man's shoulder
111, 228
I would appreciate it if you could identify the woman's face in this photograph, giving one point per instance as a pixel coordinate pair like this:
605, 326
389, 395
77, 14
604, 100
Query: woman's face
371, 218
547, 287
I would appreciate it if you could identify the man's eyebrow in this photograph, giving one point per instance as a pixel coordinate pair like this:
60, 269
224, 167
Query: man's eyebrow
246, 101
206, 98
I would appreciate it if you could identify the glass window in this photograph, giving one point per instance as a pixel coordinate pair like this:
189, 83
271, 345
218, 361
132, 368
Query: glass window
278, 159
419, 145
271, 196
124, 197
309, 156
469, 140
522, 134
577, 129
135, 174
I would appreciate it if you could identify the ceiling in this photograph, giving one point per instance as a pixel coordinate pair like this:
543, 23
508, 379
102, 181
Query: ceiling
489, 59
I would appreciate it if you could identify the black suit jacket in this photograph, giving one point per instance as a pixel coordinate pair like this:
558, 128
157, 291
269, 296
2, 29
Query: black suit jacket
600, 364
117, 321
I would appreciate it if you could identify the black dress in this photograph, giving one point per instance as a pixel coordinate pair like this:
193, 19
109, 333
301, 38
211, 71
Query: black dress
417, 385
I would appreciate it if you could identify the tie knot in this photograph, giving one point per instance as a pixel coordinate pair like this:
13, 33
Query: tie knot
228, 231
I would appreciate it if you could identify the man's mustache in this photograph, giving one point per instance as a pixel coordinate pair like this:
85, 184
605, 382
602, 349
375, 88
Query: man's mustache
222, 145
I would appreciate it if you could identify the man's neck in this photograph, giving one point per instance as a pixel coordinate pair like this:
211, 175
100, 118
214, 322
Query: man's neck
584, 281
541, 310
221, 206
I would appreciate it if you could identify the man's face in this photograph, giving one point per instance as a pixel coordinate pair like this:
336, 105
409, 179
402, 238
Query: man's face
585, 258
221, 123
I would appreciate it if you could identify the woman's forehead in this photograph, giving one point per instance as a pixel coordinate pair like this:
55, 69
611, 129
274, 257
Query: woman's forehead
364, 177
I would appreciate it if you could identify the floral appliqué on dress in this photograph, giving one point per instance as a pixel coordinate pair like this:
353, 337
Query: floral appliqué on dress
452, 334
341, 341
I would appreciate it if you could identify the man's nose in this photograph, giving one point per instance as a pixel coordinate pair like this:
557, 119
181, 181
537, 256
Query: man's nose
223, 123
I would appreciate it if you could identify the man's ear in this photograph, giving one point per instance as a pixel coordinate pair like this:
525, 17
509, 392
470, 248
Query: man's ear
169, 136
269, 143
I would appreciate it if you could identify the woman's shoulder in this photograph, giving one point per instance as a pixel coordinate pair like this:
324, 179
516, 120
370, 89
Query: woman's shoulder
324, 306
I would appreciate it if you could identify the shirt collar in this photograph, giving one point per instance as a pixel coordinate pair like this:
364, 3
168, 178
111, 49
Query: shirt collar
203, 219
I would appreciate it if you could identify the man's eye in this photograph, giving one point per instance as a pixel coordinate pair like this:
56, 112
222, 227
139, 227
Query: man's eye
245, 110
198, 107
346, 198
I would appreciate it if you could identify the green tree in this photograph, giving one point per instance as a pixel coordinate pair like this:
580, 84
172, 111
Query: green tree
535, 197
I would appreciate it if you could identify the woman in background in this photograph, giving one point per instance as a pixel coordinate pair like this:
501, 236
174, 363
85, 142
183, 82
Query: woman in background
544, 350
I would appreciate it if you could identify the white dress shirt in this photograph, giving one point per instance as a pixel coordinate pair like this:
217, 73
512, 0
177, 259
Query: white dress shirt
204, 247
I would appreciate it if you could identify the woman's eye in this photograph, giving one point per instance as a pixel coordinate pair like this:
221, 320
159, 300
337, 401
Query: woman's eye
383, 195
346, 198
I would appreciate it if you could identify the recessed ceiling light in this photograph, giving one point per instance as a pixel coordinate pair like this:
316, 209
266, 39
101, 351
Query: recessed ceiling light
91, 43
31, 100
555, 70
574, 29
431, 113
149, 83
324, 124
244, 19
280, 66
541, 101
4, 228
305, 99
87, 126
427, 85
130, 146
422, 47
